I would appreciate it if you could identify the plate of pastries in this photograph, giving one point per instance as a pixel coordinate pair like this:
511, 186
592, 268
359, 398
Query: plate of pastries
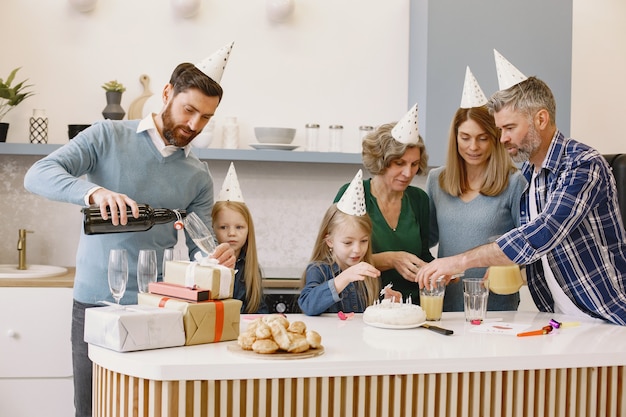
273, 336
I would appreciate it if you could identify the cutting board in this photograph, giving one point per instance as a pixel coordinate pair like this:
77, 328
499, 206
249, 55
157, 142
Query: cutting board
135, 109
311, 353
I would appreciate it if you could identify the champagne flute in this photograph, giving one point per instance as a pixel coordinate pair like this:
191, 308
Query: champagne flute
168, 255
146, 269
118, 273
199, 233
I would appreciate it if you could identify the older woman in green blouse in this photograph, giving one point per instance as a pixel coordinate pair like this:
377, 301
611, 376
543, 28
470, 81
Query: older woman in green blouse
399, 211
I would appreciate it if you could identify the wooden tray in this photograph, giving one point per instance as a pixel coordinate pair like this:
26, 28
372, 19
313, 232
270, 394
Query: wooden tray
311, 353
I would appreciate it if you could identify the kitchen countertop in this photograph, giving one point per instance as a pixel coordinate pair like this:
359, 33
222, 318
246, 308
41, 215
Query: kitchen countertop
353, 348
59, 281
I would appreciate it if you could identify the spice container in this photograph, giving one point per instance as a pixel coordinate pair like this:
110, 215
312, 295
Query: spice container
336, 133
364, 131
312, 131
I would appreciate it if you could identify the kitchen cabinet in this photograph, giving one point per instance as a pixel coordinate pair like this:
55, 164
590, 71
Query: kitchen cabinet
214, 154
36, 360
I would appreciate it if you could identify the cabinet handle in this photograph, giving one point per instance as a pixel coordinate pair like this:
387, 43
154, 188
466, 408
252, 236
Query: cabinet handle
12, 333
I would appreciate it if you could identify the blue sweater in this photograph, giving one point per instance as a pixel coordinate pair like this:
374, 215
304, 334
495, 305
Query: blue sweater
113, 155
458, 226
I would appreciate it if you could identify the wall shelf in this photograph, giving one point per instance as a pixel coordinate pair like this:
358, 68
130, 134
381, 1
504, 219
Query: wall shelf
214, 154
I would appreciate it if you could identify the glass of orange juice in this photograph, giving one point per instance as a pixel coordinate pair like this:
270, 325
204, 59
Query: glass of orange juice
431, 300
505, 280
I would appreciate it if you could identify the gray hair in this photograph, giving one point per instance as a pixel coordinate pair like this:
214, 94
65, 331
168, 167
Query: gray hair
380, 149
528, 96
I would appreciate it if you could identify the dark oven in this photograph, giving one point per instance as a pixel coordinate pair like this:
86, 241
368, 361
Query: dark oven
282, 300
281, 294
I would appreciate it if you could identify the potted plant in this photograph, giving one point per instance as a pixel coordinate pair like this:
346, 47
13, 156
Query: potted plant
11, 96
113, 109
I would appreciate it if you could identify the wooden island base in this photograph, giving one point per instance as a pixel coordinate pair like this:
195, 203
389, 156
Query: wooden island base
594, 391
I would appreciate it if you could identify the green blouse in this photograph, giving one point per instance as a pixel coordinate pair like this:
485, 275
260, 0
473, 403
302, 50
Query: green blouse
411, 235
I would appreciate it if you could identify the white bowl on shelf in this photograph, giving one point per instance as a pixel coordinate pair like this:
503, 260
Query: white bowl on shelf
281, 135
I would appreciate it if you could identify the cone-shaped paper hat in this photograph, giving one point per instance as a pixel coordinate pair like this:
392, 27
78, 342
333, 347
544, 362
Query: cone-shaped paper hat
353, 199
508, 75
473, 95
407, 130
214, 65
230, 189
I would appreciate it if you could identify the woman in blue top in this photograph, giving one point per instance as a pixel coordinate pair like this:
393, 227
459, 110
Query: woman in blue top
475, 197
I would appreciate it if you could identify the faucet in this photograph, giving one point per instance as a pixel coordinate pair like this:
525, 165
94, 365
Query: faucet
21, 249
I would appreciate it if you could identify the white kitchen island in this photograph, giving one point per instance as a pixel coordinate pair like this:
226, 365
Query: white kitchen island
367, 371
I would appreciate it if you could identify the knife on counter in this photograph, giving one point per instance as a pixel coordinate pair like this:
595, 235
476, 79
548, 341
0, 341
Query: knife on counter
440, 330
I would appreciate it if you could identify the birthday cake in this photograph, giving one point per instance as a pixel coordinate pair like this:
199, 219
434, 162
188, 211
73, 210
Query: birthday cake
389, 313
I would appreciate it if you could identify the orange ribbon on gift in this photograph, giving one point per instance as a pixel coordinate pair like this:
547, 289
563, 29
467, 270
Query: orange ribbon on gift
219, 315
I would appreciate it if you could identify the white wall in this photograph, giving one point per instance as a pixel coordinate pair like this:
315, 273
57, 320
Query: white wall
334, 62
599, 74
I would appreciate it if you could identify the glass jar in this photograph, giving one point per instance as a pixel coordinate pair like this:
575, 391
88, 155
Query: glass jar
336, 133
364, 131
312, 131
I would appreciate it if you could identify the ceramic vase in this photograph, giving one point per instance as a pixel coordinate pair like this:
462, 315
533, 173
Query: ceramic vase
113, 109
39, 127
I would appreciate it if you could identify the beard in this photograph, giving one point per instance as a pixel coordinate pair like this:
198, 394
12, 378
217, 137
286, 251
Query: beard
528, 146
170, 129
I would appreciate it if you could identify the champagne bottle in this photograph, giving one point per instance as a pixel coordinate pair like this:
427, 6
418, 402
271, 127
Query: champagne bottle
94, 224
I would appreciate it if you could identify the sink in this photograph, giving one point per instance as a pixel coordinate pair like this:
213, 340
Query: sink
32, 271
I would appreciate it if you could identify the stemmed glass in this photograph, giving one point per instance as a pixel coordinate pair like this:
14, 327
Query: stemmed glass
168, 255
146, 269
199, 233
118, 273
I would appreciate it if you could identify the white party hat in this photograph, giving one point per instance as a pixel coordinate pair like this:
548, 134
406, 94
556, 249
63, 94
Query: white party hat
473, 95
508, 75
407, 129
214, 65
353, 199
230, 189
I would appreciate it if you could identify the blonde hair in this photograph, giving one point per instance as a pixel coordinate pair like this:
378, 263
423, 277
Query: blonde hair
368, 289
252, 272
453, 178
380, 149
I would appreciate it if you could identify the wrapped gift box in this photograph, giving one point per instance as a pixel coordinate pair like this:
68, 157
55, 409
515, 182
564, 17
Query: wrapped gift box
133, 327
215, 278
178, 291
205, 321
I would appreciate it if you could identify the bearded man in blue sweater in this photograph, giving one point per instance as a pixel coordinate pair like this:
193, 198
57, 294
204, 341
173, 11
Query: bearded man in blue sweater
114, 164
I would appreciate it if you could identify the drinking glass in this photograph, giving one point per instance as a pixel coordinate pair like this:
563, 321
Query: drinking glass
431, 300
199, 233
146, 269
505, 280
168, 255
475, 294
118, 273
